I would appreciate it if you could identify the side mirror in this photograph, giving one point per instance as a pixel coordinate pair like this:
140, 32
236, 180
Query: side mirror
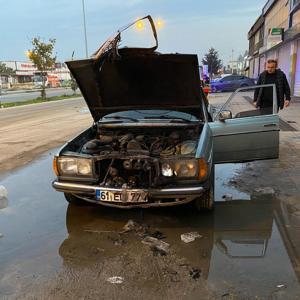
225, 115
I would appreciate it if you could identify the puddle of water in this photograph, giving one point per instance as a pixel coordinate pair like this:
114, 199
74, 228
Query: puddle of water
48, 248
224, 173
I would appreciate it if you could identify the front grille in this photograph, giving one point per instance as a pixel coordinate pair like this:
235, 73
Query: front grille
127, 173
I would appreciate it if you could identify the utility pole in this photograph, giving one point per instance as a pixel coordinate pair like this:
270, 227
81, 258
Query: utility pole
232, 52
84, 27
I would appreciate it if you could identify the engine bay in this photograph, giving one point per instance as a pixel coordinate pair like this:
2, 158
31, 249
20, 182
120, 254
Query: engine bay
131, 157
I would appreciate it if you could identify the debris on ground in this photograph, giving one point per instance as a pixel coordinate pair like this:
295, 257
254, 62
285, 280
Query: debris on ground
225, 295
3, 192
142, 230
190, 237
157, 234
195, 273
115, 280
281, 286
232, 181
159, 248
117, 241
227, 197
132, 226
158, 252
265, 191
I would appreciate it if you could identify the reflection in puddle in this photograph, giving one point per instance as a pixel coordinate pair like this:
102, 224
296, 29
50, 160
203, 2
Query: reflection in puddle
3, 197
249, 246
241, 249
3, 203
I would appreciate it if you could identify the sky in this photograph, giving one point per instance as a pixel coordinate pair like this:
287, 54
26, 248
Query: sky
189, 26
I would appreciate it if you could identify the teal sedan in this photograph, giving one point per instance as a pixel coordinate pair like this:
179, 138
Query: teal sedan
153, 142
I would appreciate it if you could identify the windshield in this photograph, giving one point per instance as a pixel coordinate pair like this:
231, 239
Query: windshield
153, 114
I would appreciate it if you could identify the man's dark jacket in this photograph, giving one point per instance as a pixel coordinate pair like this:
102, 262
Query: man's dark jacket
282, 87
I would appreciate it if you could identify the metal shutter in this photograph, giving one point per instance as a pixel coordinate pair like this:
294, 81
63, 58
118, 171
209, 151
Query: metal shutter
256, 67
271, 55
297, 74
251, 68
262, 63
284, 59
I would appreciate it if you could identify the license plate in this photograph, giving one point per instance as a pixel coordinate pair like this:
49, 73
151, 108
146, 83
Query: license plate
124, 196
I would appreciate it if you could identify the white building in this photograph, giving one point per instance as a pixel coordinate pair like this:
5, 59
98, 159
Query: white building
24, 72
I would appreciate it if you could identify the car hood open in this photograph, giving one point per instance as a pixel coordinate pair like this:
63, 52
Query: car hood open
138, 78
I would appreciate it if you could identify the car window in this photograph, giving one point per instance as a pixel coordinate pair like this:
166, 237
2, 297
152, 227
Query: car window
238, 77
242, 104
227, 78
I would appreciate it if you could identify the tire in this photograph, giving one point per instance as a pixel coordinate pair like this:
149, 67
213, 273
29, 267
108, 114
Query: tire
72, 199
206, 201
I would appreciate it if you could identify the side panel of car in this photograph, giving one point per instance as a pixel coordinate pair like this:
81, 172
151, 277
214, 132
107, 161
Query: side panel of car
205, 145
245, 139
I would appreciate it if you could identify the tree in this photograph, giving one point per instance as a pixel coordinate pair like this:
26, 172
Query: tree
4, 70
211, 59
42, 56
74, 85
241, 58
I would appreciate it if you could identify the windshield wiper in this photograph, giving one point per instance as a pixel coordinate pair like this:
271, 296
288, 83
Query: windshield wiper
121, 117
172, 119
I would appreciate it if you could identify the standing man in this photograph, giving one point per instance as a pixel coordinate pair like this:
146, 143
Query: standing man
263, 97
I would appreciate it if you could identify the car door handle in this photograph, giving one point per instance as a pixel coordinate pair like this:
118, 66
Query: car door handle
270, 125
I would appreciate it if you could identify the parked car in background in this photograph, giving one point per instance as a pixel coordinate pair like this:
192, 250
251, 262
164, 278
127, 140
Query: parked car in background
231, 83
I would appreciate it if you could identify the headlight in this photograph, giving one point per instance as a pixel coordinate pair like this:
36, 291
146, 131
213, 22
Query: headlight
197, 168
166, 170
84, 167
186, 168
67, 165
74, 166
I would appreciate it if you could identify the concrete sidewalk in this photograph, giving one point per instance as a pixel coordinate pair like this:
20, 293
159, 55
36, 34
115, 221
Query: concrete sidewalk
291, 115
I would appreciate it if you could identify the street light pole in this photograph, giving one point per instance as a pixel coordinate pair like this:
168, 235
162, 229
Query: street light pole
84, 26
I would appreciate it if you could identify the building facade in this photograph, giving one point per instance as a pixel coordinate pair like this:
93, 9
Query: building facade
276, 35
24, 72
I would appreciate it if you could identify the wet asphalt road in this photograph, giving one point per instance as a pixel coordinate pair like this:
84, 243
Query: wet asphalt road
15, 97
50, 250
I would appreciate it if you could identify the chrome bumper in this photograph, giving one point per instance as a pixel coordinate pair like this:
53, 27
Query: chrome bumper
83, 191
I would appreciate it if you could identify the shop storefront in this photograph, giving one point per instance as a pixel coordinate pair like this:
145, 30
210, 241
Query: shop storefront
284, 59
297, 72
256, 67
262, 63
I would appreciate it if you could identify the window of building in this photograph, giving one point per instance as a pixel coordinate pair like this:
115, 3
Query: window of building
295, 2
296, 18
257, 37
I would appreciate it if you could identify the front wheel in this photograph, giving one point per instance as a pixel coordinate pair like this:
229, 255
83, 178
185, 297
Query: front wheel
206, 201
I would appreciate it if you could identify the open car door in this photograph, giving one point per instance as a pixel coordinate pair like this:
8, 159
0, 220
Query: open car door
243, 133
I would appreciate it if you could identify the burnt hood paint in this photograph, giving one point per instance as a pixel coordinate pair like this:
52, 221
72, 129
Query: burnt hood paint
133, 78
